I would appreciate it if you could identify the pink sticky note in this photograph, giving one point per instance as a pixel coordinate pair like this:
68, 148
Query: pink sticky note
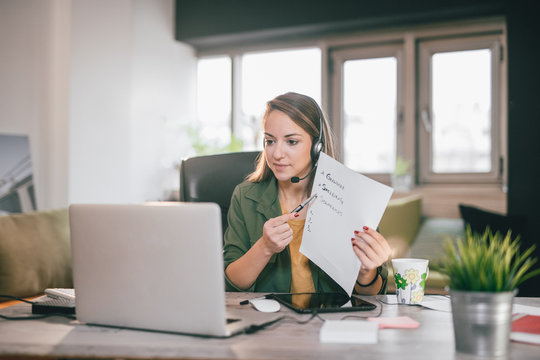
396, 322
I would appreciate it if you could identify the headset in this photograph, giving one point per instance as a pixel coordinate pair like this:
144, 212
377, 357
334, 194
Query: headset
316, 147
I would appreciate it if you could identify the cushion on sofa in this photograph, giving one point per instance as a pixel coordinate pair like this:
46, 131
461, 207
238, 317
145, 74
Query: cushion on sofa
478, 219
35, 252
429, 244
400, 223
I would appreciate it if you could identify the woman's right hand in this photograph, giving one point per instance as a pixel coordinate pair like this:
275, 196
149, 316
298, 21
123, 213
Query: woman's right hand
277, 234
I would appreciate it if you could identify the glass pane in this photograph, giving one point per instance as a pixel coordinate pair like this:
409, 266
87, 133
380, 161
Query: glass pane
461, 124
266, 75
214, 101
369, 108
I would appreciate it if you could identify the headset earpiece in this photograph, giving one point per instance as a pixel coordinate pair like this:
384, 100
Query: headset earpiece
316, 149
318, 145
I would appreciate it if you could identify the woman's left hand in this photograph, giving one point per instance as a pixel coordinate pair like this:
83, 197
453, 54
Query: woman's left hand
371, 248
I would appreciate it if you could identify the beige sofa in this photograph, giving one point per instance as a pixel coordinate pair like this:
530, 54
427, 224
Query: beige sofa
35, 252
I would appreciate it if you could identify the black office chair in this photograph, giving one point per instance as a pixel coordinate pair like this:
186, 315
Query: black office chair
212, 178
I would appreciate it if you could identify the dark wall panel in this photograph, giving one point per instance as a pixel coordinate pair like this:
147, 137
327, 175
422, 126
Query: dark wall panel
524, 122
217, 23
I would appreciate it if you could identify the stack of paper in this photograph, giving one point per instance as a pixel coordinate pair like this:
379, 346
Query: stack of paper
349, 332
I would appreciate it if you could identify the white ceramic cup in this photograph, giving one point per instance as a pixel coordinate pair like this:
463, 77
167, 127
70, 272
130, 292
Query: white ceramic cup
410, 276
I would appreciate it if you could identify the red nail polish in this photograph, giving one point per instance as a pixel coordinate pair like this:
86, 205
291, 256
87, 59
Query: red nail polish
352, 239
296, 214
356, 232
365, 227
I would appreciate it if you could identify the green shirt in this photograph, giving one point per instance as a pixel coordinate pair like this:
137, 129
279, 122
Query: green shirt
252, 204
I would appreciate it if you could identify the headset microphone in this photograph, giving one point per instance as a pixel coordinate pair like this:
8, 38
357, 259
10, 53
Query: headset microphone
296, 179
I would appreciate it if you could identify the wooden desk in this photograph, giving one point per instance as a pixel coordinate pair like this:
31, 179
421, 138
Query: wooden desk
58, 337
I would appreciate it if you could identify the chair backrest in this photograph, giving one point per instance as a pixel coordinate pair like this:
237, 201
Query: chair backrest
212, 178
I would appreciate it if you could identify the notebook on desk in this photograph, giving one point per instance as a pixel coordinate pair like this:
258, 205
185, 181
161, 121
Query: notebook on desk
154, 267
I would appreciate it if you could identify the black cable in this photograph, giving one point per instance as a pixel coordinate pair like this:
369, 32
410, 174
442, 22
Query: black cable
254, 328
320, 317
35, 317
17, 298
302, 322
32, 317
317, 315
365, 317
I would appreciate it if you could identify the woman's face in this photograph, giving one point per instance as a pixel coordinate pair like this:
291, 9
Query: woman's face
287, 146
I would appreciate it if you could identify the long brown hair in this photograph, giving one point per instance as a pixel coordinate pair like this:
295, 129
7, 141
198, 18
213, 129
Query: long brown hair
305, 112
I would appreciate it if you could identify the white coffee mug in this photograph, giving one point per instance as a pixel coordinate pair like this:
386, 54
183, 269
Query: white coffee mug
410, 276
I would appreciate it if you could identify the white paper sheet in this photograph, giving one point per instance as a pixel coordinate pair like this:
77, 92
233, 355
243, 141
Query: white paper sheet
346, 201
526, 309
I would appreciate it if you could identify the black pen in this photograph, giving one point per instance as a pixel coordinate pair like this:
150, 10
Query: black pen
304, 204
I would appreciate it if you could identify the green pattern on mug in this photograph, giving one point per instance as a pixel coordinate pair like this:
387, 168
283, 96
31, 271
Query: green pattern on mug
400, 282
423, 282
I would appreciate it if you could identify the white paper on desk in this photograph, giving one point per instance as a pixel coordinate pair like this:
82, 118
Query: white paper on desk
437, 302
346, 201
433, 302
525, 309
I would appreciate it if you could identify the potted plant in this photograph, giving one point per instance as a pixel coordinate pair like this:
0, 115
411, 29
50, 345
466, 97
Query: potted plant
401, 177
484, 272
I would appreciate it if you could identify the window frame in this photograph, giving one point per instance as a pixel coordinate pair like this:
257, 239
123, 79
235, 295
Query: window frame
426, 48
338, 58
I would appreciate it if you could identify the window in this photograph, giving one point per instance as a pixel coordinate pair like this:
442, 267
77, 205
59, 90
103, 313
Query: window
262, 76
433, 103
459, 80
461, 101
367, 107
432, 96
266, 75
214, 100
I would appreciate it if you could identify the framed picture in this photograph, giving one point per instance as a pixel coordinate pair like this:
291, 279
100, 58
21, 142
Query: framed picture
16, 179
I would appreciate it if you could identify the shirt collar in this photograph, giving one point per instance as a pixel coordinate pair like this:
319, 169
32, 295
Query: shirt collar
266, 197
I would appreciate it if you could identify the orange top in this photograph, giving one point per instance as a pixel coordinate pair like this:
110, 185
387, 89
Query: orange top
301, 280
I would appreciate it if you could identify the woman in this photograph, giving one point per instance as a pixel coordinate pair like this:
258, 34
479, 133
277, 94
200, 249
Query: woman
262, 241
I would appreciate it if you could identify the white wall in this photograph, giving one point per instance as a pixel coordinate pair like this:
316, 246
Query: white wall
163, 83
130, 79
100, 93
96, 84
33, 89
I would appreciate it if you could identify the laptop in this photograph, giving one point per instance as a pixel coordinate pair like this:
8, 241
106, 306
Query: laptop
155, 266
